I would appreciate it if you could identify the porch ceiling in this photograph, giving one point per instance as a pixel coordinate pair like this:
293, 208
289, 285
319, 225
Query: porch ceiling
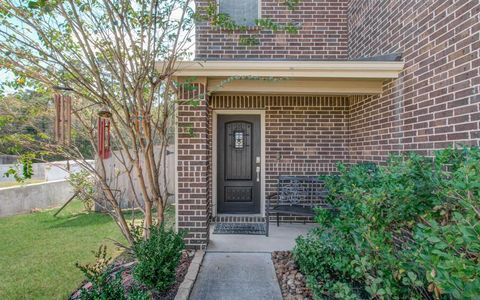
291, 77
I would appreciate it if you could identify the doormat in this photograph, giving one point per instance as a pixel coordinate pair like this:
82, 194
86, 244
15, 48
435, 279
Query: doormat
240, 228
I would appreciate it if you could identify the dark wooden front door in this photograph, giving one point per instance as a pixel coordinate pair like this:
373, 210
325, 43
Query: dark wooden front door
238, 163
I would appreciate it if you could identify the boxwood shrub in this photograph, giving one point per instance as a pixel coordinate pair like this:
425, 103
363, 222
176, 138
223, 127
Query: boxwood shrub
158, 258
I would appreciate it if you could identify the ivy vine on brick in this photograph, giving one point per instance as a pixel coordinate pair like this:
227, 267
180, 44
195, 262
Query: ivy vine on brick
225, 22
292, 4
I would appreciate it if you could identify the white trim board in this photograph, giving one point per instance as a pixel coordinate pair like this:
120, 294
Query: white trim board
379, 70
215, 114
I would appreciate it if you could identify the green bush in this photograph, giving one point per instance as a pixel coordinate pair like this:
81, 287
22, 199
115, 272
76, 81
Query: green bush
83, 184
104, 285
399, 230
448, 239
158, 258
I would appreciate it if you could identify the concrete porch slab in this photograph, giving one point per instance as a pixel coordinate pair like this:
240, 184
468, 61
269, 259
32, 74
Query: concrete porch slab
280, 238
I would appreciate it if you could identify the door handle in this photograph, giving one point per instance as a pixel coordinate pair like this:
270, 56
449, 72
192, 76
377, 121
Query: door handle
258, 173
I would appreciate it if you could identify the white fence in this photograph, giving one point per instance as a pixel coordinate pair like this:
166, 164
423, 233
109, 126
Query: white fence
22, 199
120, 183
57, 170
54, 191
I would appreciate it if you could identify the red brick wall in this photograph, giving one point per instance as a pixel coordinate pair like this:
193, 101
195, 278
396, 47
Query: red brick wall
323, 34
305, 139
193, 169
435, 102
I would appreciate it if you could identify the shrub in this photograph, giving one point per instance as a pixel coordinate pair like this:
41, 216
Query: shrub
158, 258
448, 239
105, 285
98, 273
83, 184
399, 230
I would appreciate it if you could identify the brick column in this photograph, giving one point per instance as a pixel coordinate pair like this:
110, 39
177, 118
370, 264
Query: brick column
193, 157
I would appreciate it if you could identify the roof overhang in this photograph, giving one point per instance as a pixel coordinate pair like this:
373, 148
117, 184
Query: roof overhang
291, 77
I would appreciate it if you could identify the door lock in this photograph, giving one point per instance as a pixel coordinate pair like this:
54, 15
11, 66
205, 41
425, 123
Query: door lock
258, 173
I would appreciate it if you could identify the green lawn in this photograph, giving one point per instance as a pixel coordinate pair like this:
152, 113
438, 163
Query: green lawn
38, 251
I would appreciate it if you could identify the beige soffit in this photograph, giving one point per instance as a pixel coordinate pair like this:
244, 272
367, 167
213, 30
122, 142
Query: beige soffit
295, 86
291, 69
290, 77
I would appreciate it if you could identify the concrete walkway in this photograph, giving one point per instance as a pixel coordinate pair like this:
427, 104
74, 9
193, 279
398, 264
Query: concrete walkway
230, 276
240, 266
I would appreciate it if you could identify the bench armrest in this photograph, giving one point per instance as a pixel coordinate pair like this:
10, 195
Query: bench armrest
269, 198
272, 195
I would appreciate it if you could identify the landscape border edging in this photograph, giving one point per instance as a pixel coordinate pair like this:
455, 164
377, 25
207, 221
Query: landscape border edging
186, 286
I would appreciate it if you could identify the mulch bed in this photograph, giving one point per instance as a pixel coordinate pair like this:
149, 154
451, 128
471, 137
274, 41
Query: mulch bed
127, 265
291, 281
182, 269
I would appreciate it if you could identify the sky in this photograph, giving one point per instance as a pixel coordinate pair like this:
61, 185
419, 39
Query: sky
8, 76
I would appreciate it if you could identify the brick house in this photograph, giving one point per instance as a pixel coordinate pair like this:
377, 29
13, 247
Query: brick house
361, 79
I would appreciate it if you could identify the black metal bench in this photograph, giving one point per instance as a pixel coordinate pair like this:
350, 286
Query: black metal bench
296, 195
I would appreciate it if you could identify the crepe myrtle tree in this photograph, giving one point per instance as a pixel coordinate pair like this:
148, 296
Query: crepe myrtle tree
105, 54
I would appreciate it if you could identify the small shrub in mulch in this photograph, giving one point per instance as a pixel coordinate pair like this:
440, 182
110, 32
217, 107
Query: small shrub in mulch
292, 282
158, 257
121, 271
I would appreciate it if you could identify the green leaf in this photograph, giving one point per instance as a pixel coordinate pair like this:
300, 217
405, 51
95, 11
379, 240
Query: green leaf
412, 276
33, 4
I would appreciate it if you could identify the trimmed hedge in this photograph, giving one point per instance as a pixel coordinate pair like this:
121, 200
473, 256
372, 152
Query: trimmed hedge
158, 258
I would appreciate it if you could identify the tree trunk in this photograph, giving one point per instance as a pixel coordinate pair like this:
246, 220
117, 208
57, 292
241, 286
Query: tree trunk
148, 219
160, 209
123, 225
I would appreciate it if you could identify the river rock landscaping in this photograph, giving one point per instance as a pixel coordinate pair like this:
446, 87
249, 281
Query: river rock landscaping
291, 281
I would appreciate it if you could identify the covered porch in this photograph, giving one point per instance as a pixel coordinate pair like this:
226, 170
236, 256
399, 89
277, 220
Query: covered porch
281, 238
256, 121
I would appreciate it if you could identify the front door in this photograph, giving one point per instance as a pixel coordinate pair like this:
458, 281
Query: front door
238, 163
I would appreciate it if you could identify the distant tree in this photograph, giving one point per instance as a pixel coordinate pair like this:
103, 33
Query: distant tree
27, 115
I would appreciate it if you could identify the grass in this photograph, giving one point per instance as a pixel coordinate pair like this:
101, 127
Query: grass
38, 252
15, 183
